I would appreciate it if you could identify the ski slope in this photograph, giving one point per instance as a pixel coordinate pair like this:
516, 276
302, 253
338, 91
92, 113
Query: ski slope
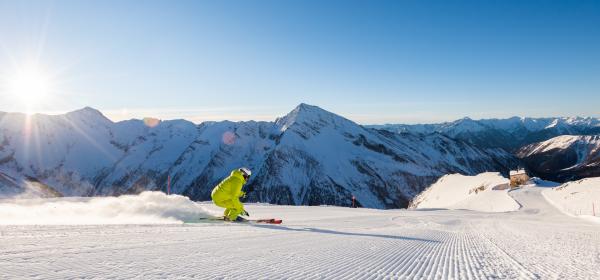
485, 192
537, 241
578, 198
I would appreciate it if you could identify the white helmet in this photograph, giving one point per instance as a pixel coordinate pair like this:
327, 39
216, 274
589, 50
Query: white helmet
246, 171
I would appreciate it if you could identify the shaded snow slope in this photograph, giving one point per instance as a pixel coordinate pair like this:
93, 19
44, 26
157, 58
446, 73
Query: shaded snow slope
563, 158
321, 157
18, 187
308, 157
477, 193
579, 198
536, 242
145, 208
560, 142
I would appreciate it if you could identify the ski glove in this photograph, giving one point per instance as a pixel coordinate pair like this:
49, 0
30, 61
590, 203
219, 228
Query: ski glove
242, 194
245, 213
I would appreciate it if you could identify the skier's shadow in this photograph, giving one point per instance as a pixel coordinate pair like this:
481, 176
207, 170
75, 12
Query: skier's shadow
328, 231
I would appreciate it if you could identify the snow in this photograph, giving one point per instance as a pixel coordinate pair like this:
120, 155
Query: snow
534, 242
456, 191
588, 144
517, 172
145, 208
514, 125
15, 186
310, 156
579, 198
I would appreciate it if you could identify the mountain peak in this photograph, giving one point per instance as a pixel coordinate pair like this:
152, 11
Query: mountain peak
307, 108
87, 113
305, 113
465, 124
86, 110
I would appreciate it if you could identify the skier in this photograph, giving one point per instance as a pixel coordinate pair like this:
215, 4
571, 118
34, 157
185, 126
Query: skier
227, 194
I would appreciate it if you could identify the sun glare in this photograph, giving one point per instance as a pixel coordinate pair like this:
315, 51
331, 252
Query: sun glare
30, 85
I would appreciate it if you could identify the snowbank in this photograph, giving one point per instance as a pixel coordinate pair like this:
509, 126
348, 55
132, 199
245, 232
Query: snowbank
456, 191
145, 208
578, 198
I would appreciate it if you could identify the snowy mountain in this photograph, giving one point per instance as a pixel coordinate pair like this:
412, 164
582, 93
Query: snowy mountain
307, 157
323, 158
14, 187
563, 158
509, 134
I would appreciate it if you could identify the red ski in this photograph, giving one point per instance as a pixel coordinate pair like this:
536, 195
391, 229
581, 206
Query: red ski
267, 221
242, 220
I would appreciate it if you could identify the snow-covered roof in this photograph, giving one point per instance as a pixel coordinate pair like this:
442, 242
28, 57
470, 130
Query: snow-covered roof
517, 172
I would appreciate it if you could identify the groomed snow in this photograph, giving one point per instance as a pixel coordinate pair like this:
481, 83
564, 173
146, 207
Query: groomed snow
537, 241
578, 198
456, 191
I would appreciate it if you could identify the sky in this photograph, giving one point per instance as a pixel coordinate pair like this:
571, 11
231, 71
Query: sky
373, 62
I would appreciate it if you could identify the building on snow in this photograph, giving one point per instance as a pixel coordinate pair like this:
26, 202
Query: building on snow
518, 177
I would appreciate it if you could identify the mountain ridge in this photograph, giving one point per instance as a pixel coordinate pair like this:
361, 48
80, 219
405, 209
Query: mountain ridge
509, 134
310, 156
563, 158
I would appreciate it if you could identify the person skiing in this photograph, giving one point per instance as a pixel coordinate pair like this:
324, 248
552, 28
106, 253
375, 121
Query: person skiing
227, 194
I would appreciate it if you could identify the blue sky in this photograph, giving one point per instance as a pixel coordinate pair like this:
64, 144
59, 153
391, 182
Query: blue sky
371, 61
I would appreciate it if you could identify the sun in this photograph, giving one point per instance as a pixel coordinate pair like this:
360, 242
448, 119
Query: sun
30, 85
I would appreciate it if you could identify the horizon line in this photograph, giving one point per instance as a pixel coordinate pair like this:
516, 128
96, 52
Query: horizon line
199, 116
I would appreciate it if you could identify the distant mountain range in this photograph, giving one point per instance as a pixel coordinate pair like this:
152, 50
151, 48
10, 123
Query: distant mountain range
509, 134
308, 157
539, 143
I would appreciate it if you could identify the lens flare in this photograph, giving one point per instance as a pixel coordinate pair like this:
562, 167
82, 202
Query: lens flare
151, 122
228, 138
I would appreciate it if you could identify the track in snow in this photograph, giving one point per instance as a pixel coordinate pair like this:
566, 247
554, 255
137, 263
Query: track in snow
316, 243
